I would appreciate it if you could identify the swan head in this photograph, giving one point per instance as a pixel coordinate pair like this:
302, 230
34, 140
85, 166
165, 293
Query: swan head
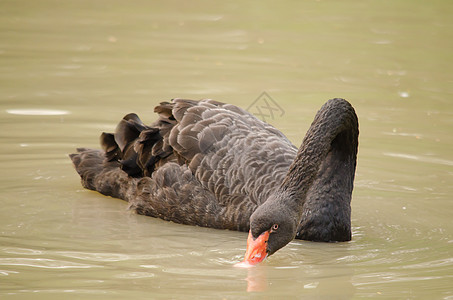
272, 226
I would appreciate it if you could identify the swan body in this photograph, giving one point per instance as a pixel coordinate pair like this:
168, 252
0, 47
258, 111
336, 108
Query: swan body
215, 165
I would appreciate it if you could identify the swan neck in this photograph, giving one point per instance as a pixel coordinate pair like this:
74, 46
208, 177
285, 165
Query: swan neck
334, 130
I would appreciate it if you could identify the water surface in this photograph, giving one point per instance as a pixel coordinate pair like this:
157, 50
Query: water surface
72, 69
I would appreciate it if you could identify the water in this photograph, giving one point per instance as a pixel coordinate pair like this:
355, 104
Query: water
71, 69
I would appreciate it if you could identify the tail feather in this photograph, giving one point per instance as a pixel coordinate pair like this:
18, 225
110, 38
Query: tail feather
139, 148
134, 150
99, 174
88, 163
111, 149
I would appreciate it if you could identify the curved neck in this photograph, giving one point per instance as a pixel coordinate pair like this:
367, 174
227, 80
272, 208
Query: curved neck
333, 136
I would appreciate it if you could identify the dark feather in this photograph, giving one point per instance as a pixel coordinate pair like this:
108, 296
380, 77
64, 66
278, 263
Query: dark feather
212, 164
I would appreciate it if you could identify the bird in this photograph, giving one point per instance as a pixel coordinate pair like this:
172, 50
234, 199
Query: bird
213, 164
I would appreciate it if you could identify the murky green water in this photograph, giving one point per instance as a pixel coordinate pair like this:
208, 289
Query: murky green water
71, 69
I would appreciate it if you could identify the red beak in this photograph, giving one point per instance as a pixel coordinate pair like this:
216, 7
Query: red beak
256, 249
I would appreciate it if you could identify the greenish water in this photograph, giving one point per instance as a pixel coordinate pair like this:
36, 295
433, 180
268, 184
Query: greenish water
71, 69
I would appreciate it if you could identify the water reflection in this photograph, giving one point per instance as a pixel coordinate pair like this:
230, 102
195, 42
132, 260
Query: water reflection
257, 279
37, 112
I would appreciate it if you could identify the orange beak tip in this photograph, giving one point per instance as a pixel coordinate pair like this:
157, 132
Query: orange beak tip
256, 250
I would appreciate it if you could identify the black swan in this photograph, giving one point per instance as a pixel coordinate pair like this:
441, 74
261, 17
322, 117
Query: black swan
215, 165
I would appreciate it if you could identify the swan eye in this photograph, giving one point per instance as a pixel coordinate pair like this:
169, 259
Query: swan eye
274, 227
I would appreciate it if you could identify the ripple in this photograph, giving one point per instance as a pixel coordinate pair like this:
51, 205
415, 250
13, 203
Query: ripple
425, 159
59, 291
149, 266
43, 263
135, 275
381, 278
430, 264
104, 257
7, 272
37, 112
201, 272
287, 267
22, 251
311, 285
